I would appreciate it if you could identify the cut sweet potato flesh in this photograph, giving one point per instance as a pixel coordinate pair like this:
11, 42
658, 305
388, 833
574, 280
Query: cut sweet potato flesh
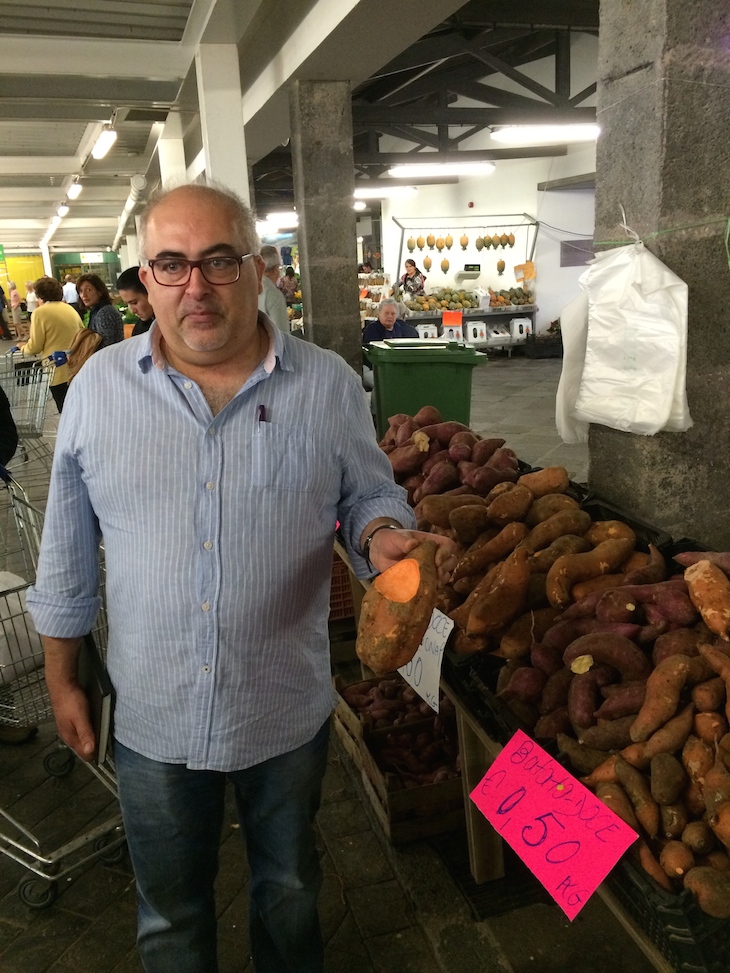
400, 582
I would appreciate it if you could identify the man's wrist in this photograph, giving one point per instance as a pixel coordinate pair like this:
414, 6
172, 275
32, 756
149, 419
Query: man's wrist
370, 531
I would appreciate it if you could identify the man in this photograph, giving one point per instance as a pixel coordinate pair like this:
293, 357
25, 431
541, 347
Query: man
217, 506
134, 294
388, 324
70, 294
271, 301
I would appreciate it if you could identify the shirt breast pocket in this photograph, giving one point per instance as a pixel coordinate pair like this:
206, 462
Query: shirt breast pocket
286, 458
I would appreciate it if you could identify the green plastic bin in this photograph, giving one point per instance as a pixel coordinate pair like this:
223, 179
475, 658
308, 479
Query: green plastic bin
410, 374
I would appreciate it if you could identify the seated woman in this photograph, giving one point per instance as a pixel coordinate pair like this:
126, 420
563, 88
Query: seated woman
387, 324
104, 318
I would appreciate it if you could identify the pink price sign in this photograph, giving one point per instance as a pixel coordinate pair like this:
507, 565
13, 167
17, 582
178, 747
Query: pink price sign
567, 838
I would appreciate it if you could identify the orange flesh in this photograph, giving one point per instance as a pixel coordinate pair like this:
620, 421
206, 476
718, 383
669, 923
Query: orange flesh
400, 582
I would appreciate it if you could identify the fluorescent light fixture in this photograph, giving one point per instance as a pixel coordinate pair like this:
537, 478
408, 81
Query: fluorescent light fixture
441, 169
55, 220
280, 221
107, 138
544, 134
359, 205
62, 210
383, 192
74, 190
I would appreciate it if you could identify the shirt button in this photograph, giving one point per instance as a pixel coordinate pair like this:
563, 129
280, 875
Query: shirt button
210, 485
187, 385
212, 431
205, 606
206, 668
208, 545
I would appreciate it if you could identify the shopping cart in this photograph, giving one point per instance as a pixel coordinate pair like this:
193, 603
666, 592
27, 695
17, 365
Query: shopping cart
24, 700
26, 381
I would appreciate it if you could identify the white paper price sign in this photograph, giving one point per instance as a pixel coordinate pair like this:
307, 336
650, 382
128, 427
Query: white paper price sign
423, 672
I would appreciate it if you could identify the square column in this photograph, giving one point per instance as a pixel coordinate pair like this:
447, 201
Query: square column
664, 78
171, 152
324, 181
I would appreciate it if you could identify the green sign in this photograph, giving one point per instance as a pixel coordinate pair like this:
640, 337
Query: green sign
2, 252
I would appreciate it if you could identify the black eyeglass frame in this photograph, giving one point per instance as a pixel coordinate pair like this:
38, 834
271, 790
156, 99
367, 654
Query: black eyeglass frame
192, 264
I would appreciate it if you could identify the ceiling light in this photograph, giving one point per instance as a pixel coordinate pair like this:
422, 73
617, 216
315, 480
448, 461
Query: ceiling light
74, 190
383, 192
55, 220
107, 138
359, 205
62, 210
280, 221
544, 134
441, 169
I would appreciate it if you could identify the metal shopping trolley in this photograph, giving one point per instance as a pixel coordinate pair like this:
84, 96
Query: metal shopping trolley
24, 700
26, 382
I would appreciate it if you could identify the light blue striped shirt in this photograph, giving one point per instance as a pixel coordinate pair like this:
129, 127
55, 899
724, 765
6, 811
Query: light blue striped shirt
218, 534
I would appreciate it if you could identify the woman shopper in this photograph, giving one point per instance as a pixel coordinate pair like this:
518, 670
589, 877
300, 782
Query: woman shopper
289, 285
104, 318
31, 300
52, 328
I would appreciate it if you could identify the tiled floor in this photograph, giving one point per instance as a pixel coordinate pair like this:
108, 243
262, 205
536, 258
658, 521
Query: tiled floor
384, 910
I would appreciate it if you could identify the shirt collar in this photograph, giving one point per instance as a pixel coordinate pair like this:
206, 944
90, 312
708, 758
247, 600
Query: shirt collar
150, 348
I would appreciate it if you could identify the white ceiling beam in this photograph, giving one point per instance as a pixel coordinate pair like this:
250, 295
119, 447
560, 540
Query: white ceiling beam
153, 60
31, 165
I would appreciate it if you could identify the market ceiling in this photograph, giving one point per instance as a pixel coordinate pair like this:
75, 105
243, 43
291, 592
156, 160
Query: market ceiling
70, 66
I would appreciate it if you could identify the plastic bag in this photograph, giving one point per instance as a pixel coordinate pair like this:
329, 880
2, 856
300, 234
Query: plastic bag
634, 374
574, 331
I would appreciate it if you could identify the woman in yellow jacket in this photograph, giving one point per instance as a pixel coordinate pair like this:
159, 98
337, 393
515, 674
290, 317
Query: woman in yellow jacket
53, 326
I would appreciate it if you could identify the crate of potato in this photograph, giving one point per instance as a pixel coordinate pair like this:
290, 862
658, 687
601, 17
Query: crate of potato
409, 768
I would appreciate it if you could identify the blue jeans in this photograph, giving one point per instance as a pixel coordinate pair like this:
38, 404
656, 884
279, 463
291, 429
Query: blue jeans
173, 819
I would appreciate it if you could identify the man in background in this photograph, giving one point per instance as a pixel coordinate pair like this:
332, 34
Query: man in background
388, 324
271, 300
134, 294
70, 294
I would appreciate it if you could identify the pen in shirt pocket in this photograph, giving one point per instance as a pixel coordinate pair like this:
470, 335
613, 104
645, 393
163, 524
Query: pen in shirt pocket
261, 414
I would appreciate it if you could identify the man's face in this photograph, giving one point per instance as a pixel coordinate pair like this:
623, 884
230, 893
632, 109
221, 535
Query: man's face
201, 323
137, 304
388, 316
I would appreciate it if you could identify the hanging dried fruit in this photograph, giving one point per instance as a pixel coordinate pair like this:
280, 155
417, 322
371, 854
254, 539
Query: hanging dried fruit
420, 243
495, 241
427, 262
411, 244
440, 244
464, 241
444, 265
479, 243
487, 241
500, 267
511, 239
449, 241
430, 240
504, 240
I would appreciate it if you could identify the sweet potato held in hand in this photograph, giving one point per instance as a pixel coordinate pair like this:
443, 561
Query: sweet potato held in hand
397, 609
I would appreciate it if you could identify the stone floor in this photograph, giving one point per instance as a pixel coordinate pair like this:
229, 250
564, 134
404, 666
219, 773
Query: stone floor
384, 909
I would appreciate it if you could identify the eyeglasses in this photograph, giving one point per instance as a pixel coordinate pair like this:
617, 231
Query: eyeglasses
176, 271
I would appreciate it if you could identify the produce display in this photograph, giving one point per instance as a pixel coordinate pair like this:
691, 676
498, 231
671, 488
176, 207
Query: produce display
515, 295
443, 300
619, 655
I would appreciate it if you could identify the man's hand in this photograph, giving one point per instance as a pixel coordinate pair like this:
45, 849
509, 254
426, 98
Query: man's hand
68, 699
389, 546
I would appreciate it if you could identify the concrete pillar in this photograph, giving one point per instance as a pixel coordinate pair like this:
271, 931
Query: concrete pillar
47, 265
664, 76
132, 254
221, 116
171, 152
324, 179
124, 260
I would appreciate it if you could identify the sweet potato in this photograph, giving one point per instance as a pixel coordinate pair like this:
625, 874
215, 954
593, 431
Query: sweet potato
510, 505
444, 431
498, 490
668, 778
485, 449
645, 856
672, 820
709, 589
609, 530
469, 521
411, 484
548, 505
505, 599
397, 609
545, 658
466, 470
405, 431
611, 650
697, 759
676, 859
604, 773
716, 786
549, 725
523, 631
459, 453
464, 586
447, 599
712, 890
625, 701
598, 585
582, 697
615, 797
540, 483
638, 790
710, 727
463, 645
437, 456
461, 614
720, 558
427, 415
608, 734
440, 477
680, 641
494, 550
720, 860
720, 823
572, 568
668, 739
584, 759
525, 684
536, 597
663, 687
564, 522
709, 695
485, 478
466, 437
503, 458
406, 459
542, 561
561, 634
653, 571
721, 664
